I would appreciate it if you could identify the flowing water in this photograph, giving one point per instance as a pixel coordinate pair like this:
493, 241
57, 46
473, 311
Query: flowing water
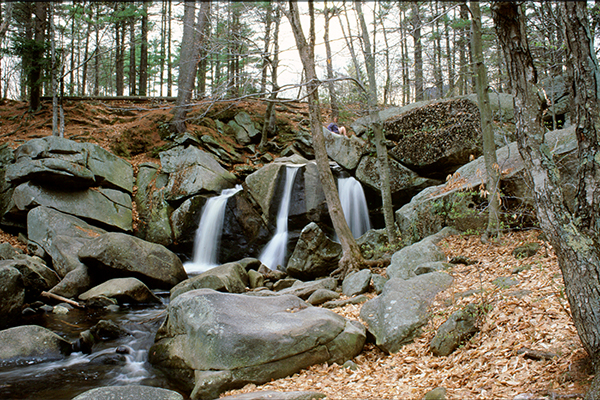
354, 205
208, 234
105, 366
275, 251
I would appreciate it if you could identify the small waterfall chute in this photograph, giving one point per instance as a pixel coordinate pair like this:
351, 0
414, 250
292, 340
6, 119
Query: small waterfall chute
275, 251
208, 234
354, 205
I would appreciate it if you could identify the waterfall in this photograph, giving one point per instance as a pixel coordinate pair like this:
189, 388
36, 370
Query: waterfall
354, 205
274, 252
208, 234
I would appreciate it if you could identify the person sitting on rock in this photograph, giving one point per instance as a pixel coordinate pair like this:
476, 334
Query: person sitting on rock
340, 130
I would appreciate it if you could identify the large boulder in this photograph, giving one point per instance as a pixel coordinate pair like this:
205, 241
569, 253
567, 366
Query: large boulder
458, 328
106, 207
67, 163
345, 151
153, 209
116, 254
31, 343
404, 183
129, 392
406, 260
305, 289
37, 277
315, 255
436, 139
217, 341
192, 171
124, 290
12, 295
395, 316
458, 202
230, 277
58, 237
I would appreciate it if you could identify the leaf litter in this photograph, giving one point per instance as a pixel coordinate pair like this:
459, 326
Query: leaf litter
532, 315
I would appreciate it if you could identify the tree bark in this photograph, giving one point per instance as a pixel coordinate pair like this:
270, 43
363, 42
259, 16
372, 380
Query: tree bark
119, 52
352, 259
188, 60
143, 89
132, 58
383, 165
333, 103
487, 132
35, 74
574, 235
417, 51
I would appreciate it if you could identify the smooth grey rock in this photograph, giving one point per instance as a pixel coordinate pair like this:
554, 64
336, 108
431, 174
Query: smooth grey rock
109, 170
504, 282
347, 152
305, 289
37, 277
321, 296
7, 252
439, 393
121, 254
273, 395
192, 171
124, 290
406, 260
12, 295
458, 328
108, 330
356, 283
129, 392
255, 279
378, 282
315, 255
31, 343
229, 340
284, 284
341, 303
230, 277
404, 183
395, 317
433, 266
108, 207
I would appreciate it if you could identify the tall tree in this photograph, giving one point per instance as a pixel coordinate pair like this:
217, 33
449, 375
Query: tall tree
485, 112
333, 102
574, 234
417, 51
37, 55
269, 124
143, 88
352, 258
188, 60
382, 154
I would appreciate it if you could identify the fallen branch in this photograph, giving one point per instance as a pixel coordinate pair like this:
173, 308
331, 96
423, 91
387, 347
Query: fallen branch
61, 298
536, 354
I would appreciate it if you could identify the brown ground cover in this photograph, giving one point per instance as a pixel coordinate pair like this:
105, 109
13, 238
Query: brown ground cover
533, 314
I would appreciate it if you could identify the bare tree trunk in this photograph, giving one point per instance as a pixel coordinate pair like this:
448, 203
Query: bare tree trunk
143, 89
269, 121
335, 109
119, 53
132, 58
418, 51
188, 60
35, 74
97, 53
574, 235
485, 111
352, 259
379, 137
169, 63
266, 59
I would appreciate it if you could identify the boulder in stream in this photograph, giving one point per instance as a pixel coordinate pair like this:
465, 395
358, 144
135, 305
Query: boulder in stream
31, 343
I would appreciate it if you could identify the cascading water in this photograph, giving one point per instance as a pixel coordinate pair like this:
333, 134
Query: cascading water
275, 251
354, 205
208, 234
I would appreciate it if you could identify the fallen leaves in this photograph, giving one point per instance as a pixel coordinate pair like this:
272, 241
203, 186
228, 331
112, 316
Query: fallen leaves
532, 314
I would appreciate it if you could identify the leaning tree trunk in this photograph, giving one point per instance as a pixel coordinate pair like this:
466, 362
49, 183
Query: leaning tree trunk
574, 235
352, 259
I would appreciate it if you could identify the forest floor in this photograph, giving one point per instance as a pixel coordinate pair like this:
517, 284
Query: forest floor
533, 314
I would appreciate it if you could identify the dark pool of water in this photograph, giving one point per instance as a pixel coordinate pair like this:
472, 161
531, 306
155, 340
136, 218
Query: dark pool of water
65, 379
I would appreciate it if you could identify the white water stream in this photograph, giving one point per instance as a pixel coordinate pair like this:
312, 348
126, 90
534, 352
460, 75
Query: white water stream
354, 205
208, 234
275, 251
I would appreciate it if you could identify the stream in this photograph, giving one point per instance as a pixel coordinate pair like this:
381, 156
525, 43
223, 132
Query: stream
116, 362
